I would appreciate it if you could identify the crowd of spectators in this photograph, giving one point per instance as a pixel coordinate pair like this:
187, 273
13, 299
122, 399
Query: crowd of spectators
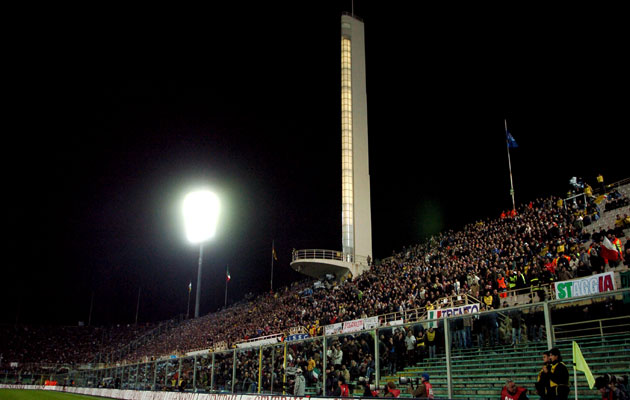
616, 200
63, 344
541, 242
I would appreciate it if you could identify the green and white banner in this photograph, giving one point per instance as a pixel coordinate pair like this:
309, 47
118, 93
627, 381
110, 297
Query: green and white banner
585, 286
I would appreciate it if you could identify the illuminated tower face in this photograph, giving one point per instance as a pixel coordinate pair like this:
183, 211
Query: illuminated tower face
356, 220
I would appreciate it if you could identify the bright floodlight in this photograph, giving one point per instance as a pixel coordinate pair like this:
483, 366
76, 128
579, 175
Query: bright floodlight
201, 211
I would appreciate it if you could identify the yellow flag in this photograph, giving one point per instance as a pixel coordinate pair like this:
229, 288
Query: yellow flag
273, 253
580, 364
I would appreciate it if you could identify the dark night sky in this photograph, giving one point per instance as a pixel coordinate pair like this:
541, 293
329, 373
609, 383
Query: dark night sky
107, 127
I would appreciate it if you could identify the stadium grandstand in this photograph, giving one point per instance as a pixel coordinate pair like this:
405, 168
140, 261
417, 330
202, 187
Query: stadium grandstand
471, 309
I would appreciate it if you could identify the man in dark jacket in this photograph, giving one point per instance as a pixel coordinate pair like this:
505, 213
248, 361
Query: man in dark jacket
558, 376
542, 381
516, 326
493, 327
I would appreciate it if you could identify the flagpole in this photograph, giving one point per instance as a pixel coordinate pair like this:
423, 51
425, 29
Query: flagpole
197, 297
91, 306
272, 251
138, 304
188, 308
510, 166
575, 380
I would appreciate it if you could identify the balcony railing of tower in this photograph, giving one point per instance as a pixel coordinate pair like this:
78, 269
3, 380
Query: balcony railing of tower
318, 254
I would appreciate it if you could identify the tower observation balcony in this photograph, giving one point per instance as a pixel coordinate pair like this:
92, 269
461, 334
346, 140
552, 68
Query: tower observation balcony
317, 263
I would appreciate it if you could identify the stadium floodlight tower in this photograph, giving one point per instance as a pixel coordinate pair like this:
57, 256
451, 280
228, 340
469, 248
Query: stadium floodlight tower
356, 218
201, 212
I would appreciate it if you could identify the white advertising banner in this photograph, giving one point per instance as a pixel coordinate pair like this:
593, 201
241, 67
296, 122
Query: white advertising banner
370, 323
198, 352
352, 326
451, 311
333, 329
257, 343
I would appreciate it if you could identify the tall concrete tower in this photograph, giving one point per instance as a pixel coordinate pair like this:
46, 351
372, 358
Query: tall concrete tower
356, 217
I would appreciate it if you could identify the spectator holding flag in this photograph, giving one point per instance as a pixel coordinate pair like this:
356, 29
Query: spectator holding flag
609, 252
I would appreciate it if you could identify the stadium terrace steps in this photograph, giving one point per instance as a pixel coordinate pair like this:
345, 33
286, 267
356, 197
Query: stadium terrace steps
481, 374
608, 218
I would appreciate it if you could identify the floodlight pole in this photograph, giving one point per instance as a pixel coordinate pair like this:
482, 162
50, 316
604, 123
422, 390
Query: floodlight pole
198, 281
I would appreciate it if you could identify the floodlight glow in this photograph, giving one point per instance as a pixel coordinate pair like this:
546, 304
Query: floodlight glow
201, 211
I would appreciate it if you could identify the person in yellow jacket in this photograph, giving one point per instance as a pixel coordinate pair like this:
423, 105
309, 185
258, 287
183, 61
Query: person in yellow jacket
617, 243
600, 182
431, 341
487, 299
558, 376
588, 191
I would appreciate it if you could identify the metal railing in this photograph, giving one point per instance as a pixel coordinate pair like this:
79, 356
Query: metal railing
592, 328
319, 254
596, 191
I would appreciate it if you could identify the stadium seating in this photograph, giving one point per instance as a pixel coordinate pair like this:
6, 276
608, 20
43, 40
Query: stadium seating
395, 286
481, 373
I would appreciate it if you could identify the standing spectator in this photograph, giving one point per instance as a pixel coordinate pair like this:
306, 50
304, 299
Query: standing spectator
493, 328
597, 262
600, 182
558, 376
467, 332
431, 341
542, 381
487, 299
496, 299
458, 327
300, 384
480, 327
516, 316
410, 345
337, 355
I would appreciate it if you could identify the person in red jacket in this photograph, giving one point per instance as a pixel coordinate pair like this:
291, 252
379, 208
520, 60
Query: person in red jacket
512, 392
391, 391
343, 390
428, 389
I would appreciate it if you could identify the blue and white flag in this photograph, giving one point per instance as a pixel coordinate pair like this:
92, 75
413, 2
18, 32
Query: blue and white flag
510, 140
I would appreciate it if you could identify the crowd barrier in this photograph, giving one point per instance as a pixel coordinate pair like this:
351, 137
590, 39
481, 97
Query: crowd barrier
151, 395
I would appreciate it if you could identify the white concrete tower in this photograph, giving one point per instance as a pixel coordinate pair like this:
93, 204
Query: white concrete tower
356, 217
